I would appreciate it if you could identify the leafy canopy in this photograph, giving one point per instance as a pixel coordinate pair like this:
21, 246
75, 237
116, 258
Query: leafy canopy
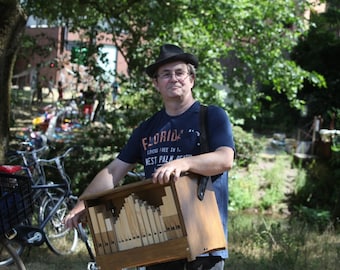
254, 37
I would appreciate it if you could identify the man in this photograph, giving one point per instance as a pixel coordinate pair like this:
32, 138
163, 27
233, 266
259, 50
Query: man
114, 92
89, 97
167, 144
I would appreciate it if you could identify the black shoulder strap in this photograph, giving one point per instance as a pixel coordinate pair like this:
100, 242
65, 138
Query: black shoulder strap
203, 129
203, 180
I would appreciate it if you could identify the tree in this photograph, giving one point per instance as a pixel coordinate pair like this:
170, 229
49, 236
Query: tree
258, 34
12, 23
319, 50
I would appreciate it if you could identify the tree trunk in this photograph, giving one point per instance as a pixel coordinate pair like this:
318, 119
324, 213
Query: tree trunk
12, 25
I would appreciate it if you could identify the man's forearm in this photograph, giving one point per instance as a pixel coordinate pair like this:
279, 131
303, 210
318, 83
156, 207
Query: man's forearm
212, 163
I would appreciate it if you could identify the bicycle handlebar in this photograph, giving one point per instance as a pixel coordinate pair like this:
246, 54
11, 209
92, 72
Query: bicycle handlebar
57, 158
138, 175
30, 152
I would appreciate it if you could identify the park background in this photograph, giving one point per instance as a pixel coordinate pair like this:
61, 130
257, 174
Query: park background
272, 67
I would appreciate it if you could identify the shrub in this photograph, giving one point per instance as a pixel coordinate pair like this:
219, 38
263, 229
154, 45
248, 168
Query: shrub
247, 146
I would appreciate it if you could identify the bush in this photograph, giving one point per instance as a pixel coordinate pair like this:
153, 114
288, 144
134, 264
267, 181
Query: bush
316, 199
247, 146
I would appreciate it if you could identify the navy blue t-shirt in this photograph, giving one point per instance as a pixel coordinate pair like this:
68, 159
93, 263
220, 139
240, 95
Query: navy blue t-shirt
163, 138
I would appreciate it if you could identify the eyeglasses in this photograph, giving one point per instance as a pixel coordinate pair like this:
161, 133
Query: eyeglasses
167, 75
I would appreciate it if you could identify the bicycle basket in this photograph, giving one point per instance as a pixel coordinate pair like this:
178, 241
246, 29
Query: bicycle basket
16, 203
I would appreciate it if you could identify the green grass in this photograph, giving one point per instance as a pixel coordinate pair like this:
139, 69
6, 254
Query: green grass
262, 185
256, 242
41, 258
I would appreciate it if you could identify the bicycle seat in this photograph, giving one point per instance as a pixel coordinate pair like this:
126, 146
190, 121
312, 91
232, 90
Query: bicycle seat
10, 168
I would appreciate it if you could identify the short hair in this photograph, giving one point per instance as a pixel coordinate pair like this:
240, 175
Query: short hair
191, 69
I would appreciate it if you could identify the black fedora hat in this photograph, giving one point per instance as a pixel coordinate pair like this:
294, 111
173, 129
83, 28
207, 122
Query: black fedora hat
170, 53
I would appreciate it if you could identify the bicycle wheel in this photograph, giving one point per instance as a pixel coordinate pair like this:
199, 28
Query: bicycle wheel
10, 252
60, 240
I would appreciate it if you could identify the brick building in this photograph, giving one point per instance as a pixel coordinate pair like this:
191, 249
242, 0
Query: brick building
52, 61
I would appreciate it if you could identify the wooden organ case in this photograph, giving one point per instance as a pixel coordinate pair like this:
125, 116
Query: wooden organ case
144, 223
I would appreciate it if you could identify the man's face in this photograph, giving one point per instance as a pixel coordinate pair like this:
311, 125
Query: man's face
173, 81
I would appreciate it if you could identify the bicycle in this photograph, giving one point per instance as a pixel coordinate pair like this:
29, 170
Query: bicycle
7, 248
38, 237
55, 200
29, 158
62, 200
16, 206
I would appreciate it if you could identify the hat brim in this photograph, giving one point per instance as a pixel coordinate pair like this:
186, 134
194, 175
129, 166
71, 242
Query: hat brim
185, 57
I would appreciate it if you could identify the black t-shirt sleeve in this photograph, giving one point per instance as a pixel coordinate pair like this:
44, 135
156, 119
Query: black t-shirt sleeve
219, 129
131, 151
